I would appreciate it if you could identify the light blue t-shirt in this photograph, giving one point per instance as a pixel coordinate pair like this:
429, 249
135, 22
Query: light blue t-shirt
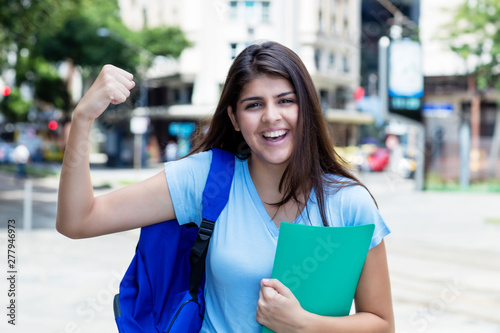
243, 245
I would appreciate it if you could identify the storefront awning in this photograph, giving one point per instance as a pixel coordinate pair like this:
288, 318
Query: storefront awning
188, 111
348, 117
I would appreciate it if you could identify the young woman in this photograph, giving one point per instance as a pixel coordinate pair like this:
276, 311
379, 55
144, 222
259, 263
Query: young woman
269, 117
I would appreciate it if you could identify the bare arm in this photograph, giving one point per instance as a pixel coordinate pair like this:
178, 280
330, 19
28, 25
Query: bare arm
281, 310
79, 213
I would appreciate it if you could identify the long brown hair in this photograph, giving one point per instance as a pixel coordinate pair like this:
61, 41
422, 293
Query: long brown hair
314, 156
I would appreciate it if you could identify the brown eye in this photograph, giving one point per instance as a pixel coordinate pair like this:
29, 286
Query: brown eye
252, 106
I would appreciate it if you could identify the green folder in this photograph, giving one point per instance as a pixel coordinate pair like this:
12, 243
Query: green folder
321, 265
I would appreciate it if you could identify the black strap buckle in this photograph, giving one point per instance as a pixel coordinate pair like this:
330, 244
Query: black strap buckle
206, 229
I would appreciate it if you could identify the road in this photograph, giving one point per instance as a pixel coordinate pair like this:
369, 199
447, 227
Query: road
443, 257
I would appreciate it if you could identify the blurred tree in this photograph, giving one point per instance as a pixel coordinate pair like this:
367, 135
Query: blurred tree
80, 41
164, 41
67, 30
22, 21
474, 34
14, 107
50, 88
96, 36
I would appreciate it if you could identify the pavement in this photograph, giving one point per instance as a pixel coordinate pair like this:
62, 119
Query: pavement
443, 256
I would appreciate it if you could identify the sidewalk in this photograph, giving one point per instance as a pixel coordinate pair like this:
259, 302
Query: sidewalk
62, 285
443, 258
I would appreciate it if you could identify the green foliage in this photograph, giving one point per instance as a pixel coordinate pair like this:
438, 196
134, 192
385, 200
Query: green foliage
49, 86
14, 107
67, 29
165, 41
21, 22
42, 31
52, 89
475, 32
435, 182
78, 40
31, 170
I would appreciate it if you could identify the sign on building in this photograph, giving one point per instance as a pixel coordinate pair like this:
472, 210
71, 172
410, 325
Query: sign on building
406, 80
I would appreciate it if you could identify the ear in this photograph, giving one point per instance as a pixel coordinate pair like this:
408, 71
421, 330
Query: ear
232, 116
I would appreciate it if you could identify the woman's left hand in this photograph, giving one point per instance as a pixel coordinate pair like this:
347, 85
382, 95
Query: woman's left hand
278, 309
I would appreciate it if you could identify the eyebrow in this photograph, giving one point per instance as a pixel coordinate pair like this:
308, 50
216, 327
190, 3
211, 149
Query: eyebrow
258, 98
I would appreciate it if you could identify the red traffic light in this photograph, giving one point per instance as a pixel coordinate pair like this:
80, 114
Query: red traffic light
359, 93
53, 125
6, 91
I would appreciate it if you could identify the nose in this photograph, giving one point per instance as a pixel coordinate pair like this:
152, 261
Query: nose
271, 114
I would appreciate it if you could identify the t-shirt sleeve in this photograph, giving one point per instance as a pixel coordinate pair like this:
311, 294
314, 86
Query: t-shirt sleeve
186, 180
359, 209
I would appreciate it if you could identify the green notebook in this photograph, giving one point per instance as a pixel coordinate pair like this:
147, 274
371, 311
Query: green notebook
321, 265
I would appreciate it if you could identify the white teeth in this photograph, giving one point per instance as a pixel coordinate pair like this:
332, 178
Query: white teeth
274, 134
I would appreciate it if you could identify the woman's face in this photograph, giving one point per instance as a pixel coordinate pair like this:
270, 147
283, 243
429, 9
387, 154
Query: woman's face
266, 114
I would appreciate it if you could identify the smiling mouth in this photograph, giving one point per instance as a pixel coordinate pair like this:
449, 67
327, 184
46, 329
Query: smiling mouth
274, 135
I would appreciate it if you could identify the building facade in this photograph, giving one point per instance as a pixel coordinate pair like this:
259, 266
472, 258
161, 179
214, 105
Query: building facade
449, 95
324, 33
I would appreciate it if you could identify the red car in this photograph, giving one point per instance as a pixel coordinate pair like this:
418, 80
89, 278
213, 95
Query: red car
378, 160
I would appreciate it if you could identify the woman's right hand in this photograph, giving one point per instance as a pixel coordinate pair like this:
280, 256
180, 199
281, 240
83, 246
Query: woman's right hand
80, 213
112, 85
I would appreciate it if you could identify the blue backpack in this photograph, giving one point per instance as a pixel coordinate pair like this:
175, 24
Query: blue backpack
162, 290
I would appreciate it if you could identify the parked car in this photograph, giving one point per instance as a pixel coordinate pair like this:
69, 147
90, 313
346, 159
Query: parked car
378, 159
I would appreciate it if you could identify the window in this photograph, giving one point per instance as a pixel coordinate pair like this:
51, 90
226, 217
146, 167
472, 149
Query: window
324, 100
320, 21
189, 92
237, 48
333, 18
233, 10
340, 98
234, 47
177, 95
157, 96
346, 65
265, 11
317, 59
331, 61
250, 10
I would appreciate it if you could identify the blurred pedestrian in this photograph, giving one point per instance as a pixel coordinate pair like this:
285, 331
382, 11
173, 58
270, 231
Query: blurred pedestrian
286, 169
21, 156
171, 151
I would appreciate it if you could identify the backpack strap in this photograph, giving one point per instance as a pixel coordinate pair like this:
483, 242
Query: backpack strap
215, 197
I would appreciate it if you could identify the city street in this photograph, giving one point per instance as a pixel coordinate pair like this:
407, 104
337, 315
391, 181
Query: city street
443, 256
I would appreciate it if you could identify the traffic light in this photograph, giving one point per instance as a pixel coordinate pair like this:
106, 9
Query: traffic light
53, 125
6, 91
4, 97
